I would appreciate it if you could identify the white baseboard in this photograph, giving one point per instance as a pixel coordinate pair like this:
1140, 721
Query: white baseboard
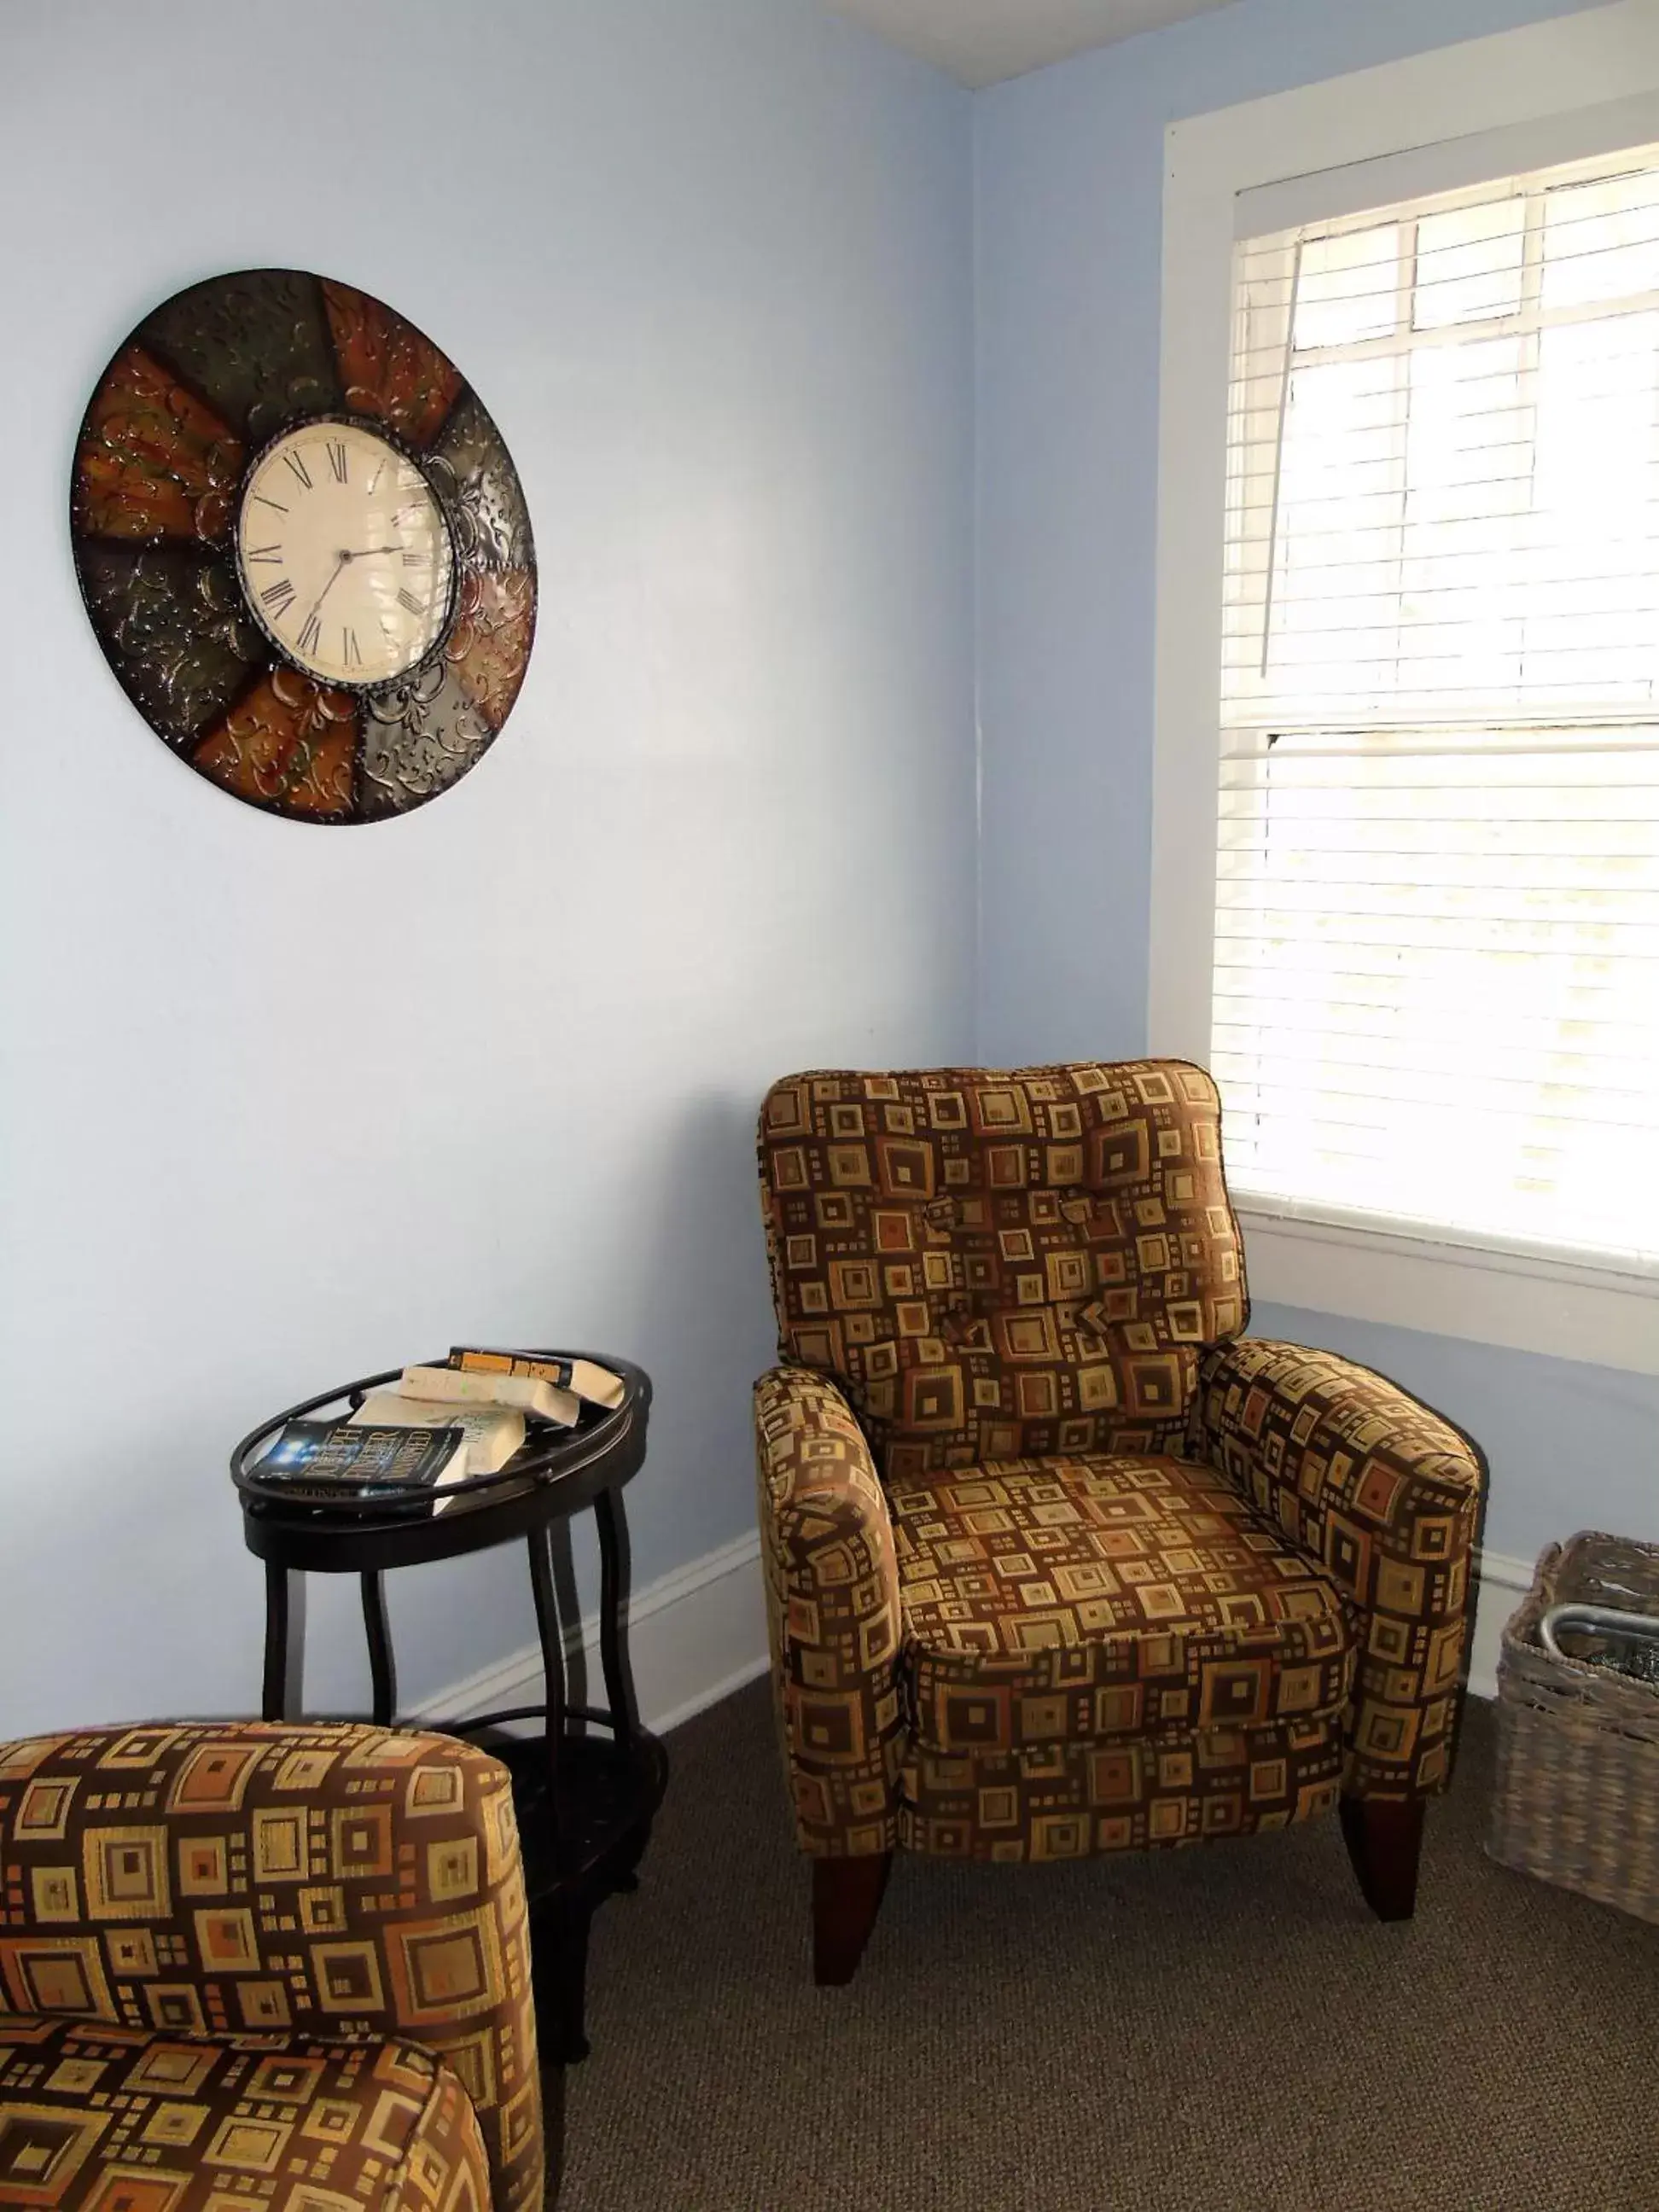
698, 1633
694, 1635
1503, 1581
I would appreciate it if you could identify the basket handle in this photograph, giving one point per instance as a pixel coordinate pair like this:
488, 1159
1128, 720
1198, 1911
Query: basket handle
1603, 1619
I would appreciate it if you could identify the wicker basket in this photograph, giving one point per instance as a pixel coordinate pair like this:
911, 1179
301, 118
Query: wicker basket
1577, 1800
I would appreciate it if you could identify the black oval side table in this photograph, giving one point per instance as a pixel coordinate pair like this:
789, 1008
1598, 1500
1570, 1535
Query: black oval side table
585, 1801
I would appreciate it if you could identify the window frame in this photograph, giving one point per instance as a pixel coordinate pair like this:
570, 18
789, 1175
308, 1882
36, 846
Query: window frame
1520, 101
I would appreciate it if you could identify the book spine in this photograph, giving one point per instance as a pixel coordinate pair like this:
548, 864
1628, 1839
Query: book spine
467, 1360
583, 1377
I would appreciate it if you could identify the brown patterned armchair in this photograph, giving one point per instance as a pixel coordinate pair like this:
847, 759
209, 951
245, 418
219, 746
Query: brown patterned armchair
1057, 1562
258, 1968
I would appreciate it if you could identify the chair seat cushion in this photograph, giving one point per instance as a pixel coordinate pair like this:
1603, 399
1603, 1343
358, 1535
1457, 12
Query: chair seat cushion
95, 2117
1094, 1599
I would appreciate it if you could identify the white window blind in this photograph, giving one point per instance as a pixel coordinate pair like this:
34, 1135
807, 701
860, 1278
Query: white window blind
1437, 959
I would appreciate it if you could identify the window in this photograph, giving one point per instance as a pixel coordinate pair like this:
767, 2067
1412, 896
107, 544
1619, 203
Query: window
1437, 928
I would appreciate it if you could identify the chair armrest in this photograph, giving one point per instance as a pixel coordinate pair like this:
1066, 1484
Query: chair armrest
833, 1611
1386, 1495
223, 1879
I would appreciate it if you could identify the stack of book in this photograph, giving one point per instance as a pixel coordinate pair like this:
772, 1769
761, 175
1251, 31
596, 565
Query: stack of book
440, 1426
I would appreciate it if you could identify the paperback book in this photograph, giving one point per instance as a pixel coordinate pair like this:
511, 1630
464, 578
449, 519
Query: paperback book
491, 1434
528, 1394
318, 1463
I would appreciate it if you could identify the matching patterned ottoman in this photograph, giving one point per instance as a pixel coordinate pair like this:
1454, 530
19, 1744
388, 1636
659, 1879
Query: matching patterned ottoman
251, 1968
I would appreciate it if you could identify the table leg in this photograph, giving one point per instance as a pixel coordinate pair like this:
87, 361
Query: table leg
382, 1672
560, 1980
540, 1541
614, 1574
274, 1700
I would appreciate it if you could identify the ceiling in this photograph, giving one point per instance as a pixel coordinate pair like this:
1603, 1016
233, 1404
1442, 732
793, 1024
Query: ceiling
982, 41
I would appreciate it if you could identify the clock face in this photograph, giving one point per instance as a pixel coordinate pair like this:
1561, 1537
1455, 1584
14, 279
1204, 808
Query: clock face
303, 546
344, 554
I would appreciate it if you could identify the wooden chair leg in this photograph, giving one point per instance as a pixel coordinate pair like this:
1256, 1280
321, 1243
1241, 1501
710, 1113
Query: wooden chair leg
1384, 1837
846, 1896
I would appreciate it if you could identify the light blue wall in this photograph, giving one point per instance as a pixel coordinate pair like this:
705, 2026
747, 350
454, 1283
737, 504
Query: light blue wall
1068, 210
710, 266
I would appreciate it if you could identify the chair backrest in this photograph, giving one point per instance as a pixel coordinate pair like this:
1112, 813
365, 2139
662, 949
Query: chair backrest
997, 1264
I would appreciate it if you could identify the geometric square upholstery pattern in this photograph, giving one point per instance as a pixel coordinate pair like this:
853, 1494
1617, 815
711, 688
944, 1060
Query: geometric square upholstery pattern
206, 1883
836, 1630
1094, 1600
1000, 1265
100, 2118
1386, 1495
1067, 1801
1056, 1559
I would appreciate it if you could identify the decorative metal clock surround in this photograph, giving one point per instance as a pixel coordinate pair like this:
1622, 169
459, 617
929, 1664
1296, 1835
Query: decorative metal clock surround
303, 546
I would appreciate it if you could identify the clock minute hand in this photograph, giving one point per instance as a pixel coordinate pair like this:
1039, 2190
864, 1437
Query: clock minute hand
342, 561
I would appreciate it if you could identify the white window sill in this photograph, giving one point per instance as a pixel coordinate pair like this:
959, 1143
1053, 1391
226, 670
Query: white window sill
1524, 1301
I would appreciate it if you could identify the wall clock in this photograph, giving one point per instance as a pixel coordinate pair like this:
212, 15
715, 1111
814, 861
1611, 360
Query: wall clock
303, 546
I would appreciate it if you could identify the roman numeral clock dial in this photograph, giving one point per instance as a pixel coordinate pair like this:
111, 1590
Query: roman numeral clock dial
304, 549
344, 554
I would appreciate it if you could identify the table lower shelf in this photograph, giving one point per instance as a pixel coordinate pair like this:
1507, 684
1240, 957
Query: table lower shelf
607, 1796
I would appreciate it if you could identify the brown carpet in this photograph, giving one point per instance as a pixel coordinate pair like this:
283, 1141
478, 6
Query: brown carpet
1220, 2028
